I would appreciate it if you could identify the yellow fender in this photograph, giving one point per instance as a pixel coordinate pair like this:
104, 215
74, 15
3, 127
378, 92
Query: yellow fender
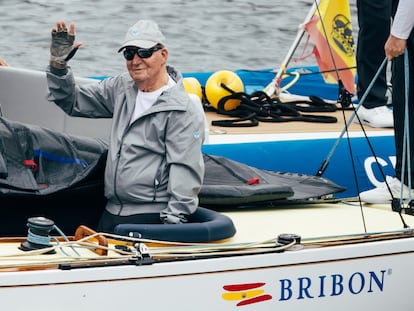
192, 86
215, 91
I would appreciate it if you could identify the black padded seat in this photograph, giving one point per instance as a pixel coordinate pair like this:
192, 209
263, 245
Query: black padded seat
204, 225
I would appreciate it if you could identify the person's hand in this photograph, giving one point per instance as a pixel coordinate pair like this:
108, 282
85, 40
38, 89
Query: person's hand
3, 62
394, 47
63, 46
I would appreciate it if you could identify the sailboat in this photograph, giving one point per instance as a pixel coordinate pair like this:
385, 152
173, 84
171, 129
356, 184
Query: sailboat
324, 250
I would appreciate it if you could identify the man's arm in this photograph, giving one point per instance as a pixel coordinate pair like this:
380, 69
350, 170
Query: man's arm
401, 28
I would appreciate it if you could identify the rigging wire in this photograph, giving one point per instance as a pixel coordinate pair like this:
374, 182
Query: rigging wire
327, 41
344, 97
345, 100
406, 156
397, 205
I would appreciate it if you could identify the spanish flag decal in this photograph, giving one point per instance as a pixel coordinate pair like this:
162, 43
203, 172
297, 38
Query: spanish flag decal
330, 29
245, 294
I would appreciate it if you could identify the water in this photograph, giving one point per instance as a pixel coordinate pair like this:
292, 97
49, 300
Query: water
202, 35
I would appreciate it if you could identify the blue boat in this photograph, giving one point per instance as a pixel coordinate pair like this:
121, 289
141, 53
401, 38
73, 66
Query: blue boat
342, 150
298, 147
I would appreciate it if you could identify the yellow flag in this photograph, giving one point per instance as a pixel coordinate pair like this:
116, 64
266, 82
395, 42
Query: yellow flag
330, 29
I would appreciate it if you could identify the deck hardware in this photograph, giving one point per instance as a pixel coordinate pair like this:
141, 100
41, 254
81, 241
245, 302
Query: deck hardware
287, 238
38, 234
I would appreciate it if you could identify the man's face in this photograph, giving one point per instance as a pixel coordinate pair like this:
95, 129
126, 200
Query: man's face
146, 69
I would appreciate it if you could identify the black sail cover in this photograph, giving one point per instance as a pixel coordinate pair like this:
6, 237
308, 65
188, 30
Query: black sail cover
35, 160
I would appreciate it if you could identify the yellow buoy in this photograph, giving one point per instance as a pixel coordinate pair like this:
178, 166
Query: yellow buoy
192, 86
215, 90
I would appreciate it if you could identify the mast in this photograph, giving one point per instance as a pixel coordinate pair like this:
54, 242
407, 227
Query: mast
272, 87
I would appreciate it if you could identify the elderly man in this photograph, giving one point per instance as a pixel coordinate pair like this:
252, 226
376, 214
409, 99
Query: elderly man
154, 168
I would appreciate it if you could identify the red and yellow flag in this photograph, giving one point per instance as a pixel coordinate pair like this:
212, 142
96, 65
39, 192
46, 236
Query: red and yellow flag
330, 29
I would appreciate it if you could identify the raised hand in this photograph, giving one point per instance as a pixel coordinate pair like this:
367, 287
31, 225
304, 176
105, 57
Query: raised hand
63, 46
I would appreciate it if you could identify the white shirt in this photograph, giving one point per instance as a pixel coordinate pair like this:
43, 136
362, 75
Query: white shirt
145, 100
404, 19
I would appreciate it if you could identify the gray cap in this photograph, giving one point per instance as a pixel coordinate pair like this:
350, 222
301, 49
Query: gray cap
144, 34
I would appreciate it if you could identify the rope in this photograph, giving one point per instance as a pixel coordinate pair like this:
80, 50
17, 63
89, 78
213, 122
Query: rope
38, 239
325, 162
259, 106
39, 235
406, 156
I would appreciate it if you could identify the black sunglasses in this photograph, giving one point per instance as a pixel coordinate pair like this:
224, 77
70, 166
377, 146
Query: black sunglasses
142, 53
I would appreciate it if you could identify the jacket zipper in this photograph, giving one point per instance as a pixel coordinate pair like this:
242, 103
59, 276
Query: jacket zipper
118, 155
156, 183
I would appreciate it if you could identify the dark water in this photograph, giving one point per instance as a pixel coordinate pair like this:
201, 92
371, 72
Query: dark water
202, 35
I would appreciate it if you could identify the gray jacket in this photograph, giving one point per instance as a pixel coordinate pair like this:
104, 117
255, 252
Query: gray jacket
154, 164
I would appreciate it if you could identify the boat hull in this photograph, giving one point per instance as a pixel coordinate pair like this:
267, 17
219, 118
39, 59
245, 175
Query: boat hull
324, 278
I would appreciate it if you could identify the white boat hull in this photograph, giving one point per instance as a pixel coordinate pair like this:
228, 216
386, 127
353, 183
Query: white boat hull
342, 277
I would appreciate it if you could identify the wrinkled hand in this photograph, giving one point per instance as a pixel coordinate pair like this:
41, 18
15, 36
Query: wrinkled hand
63, 46
394, 47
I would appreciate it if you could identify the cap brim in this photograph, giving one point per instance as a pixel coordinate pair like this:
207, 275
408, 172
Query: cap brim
138, 43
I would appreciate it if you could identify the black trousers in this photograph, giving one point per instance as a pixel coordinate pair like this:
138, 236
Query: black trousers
374, 20
398, 99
